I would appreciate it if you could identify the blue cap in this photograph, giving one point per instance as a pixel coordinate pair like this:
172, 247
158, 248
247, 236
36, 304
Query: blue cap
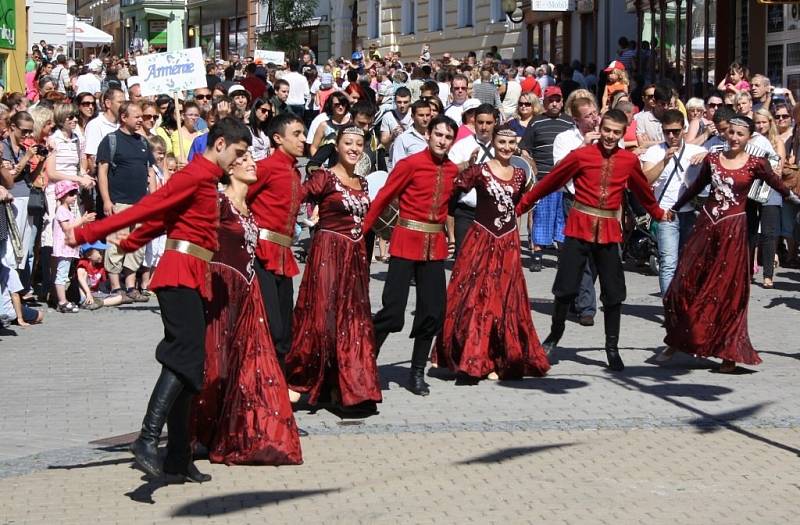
97, 245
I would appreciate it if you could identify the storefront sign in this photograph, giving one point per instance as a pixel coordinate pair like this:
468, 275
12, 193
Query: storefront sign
265, 57
550, 5
172, 71
8, 24
157, 32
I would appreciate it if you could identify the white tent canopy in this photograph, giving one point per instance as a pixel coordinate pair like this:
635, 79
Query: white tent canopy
86, 34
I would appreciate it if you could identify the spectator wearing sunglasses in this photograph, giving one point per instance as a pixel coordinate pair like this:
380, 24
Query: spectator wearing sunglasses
202, 97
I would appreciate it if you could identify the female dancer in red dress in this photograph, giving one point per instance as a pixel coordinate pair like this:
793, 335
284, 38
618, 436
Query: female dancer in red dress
488, 330
333, 344
706, 304
243, 414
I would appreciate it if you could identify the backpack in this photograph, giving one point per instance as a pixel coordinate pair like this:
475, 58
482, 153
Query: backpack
112, 147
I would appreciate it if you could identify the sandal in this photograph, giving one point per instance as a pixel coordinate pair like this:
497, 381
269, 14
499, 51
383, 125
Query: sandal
768, 283
67, 308
727, 367
94, 305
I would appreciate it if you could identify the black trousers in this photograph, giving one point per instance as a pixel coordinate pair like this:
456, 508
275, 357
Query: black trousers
463, 217
768, 238
586, 300
430, 307
183, 348
277, 292
572, 260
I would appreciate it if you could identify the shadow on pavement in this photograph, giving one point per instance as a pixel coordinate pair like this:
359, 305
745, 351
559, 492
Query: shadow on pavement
91, 464
548, 385
508, 454
789, 302
237, 501
393, 373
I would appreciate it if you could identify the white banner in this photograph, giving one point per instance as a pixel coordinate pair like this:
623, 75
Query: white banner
265, 57
166, 73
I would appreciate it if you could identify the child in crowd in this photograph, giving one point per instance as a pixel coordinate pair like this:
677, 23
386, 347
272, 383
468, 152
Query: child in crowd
736, 81
93, 280
67, 194
166, 164
616, 82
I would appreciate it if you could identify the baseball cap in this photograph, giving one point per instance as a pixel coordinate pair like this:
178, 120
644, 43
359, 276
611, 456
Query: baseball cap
552, 91
615, 64
325, 80
470, 103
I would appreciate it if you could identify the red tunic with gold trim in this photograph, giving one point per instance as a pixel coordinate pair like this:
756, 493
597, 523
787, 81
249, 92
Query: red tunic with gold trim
600, 179
186, 209
274, 200
333, 343
423, 183
488, 326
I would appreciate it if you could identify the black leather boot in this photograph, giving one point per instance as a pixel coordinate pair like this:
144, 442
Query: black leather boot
178, 465
380, 338
559, 319
416, 382
612, 353
145, 448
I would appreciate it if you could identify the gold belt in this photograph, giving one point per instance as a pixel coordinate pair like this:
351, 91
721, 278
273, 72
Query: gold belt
277, 238
597, 212
189, 248
419, 226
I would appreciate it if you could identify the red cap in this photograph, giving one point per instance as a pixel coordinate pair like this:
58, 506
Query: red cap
552, 91
615, 64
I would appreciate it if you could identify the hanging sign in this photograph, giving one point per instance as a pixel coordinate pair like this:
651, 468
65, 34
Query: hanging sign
171, 71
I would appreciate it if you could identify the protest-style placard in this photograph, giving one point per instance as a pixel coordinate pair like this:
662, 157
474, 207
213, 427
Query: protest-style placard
265, 57
170, 72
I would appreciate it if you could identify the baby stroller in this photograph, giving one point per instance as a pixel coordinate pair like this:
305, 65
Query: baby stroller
639, 243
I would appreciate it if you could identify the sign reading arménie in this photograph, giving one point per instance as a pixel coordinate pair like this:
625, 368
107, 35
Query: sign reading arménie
550, 5
8, 25
172, 71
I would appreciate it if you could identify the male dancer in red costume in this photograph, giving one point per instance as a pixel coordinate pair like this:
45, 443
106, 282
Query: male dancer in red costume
186, 208
274, 200
600, 172
423, 183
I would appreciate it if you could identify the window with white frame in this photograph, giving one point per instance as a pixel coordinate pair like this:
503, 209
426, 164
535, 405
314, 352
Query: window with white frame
374, 19
466, 13
408, 17
436, 15
496, 13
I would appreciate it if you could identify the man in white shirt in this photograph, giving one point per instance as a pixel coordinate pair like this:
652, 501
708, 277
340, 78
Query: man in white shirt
103, 124
414, 139
458, 91
669, 166
648, 122
399, 119
585, 132
90, 82
513, 90
298, 90
471, 150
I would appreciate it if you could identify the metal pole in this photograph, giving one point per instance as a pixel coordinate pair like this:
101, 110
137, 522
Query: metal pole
706, 28
74, 18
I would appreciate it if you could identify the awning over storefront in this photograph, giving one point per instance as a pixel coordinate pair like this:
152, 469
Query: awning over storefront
85, 34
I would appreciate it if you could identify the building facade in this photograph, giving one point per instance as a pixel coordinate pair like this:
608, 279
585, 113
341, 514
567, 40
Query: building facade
13, 44
151, 24
46, 21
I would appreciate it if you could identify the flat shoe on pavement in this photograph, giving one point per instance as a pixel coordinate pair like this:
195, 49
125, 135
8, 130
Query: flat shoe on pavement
665, 355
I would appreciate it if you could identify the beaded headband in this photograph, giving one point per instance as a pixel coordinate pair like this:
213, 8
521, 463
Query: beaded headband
739, 121
352, 130
507, 132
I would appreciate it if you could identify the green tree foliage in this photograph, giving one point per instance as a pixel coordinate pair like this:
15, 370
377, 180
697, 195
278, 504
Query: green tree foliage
284, 19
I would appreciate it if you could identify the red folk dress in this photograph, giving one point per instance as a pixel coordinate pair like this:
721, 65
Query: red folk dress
488, 326
243, 414
706, 305
333, 342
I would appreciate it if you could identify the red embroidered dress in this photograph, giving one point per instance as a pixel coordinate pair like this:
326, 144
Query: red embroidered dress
488, 325
243, 414
706, 305
333, 343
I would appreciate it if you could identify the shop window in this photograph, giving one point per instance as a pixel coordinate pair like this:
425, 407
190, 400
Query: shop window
775, 64
408, 17
466, 13
374, 19
775, 18
435, 15
793, 55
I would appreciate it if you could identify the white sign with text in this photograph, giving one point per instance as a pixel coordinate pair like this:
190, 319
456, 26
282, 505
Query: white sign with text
265, 57
550, 5
164, 73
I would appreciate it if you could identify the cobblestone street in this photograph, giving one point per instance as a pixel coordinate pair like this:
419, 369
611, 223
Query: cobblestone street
654, 444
